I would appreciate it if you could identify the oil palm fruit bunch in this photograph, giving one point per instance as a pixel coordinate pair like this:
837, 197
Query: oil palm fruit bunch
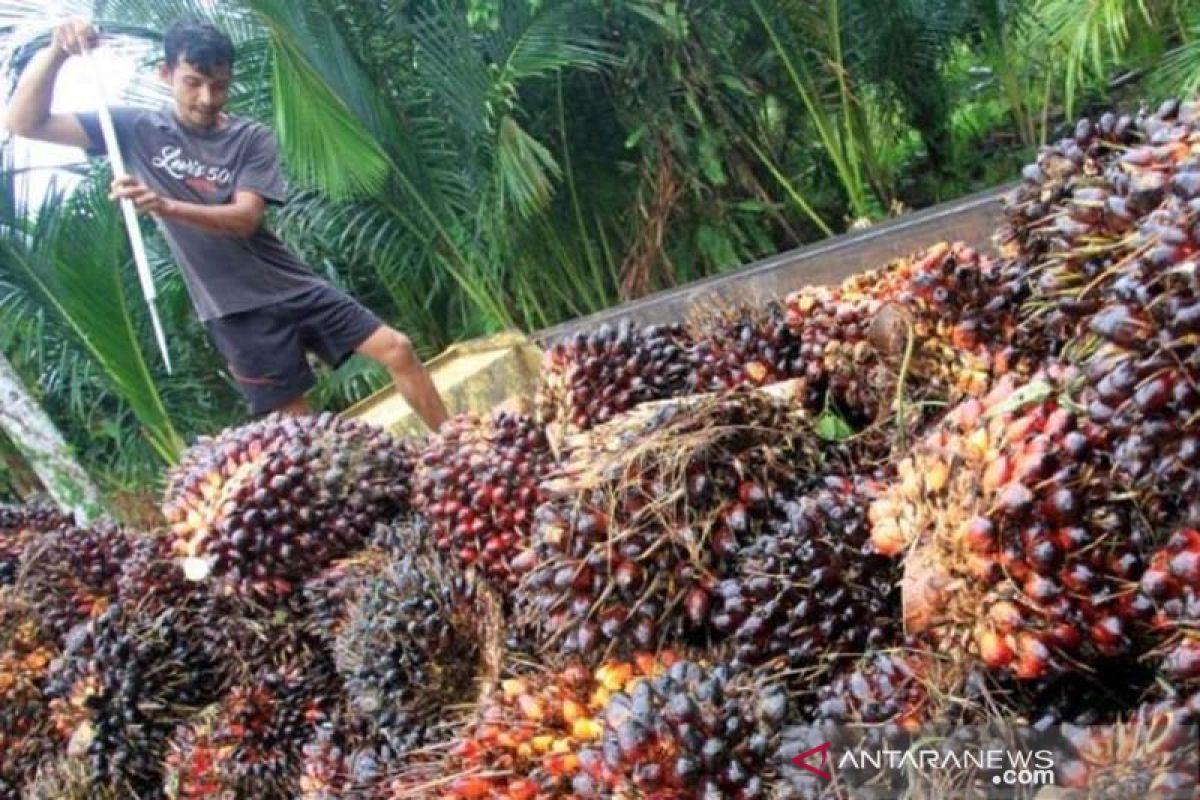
330, 595
1106, 174
72, 574
343, 760
527, 740
65, 778
751, 345
19, 525
26, 651
152, 580
650, 515
249, 743
267, 505
1018, 546
407, 650
841, 365
810, 587
1151, 754
1171, 586
690, 732
477, 483
592, 377
123, 682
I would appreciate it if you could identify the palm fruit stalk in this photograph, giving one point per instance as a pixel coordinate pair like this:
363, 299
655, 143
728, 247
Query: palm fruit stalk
650, 515
527, 740
1151, 754
19, 525
121, 685
26, 651
477, 483
1019, 548
72, 574
408, 650
267, 505
690, 732
592, 377
811, 587
1171, 586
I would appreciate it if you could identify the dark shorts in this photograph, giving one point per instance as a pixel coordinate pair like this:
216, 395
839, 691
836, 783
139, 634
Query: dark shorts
266, 347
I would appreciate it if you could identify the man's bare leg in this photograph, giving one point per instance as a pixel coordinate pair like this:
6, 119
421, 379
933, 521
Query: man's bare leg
394, 351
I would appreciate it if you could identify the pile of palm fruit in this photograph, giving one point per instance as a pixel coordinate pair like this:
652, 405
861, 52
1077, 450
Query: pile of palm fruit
957, 493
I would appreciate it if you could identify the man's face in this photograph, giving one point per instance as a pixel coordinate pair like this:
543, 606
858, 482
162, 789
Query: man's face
199, 97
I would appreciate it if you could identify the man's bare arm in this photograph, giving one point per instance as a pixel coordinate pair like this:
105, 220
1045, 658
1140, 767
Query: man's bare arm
239, 218
29, 111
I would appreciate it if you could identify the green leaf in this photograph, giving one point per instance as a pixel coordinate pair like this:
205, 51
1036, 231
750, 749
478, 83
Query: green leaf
832, 428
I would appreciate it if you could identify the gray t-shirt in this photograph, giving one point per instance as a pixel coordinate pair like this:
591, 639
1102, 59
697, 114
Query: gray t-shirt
224, 274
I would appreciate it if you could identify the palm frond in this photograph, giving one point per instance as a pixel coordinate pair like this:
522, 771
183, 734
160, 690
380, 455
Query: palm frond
558, 36
327, 138
526, 169
61, 265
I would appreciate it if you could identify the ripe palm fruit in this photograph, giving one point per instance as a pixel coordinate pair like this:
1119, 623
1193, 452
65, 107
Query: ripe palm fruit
71, 574
650, 515
810, 586
943, 322
744, 346
267, 505
592, 377
1170, 588
477, 483
123, 682
26, 650
1019, 546
407, 649
1152, 754
527, 739
249, 743
689, 732
19, 525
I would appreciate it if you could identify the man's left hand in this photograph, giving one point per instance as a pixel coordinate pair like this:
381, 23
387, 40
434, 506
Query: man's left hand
144, 200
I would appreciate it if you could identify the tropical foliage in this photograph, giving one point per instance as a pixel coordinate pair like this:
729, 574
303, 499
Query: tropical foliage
465, 166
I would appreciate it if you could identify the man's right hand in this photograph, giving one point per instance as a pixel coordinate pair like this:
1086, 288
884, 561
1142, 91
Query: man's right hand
73, 37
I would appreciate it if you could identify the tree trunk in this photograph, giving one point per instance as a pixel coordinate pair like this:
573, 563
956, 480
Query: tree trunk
35, 435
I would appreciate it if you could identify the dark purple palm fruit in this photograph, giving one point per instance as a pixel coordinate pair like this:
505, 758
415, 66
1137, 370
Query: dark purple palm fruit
649, 517
18, 526
811, 589
690, 732
743, 346
263, 507
123, 682
72, 574
407, 649
1170, 588
476, 481
594, 376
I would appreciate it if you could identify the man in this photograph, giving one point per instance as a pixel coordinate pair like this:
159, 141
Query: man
207, 177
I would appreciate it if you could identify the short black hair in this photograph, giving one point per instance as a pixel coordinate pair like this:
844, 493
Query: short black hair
202, 45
